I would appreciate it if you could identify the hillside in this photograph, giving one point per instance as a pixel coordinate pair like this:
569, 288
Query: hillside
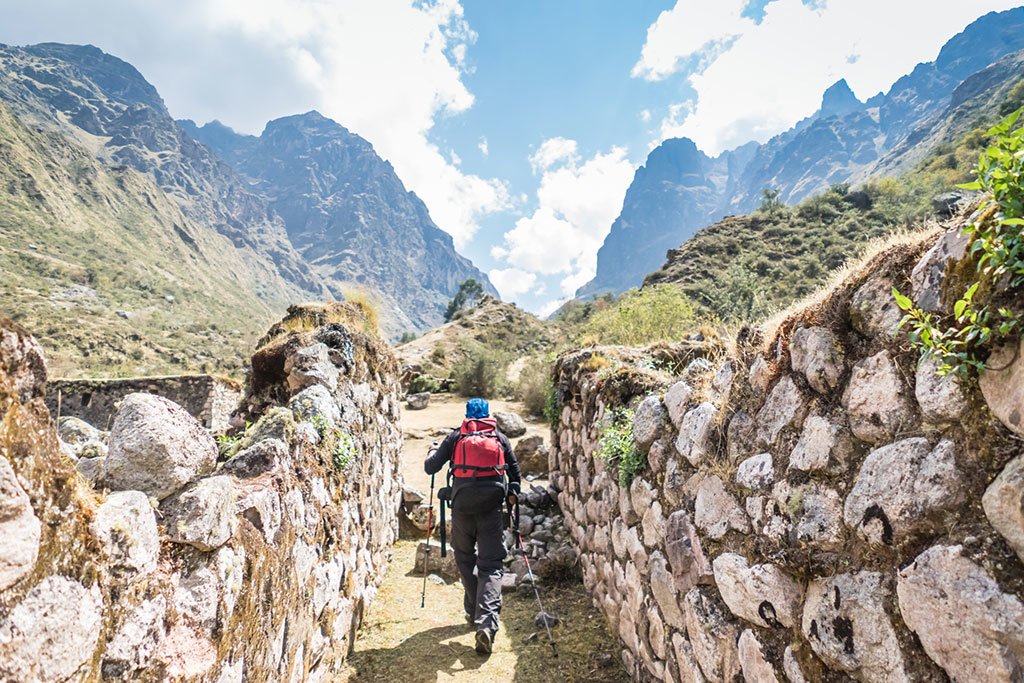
112, 275
680, 190
743, 267
105, 105
349, 215
499, 327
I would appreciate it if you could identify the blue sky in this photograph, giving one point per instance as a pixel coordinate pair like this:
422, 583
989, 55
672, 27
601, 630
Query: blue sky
519, 122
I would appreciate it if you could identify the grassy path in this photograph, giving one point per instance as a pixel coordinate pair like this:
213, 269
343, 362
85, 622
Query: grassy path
402, 643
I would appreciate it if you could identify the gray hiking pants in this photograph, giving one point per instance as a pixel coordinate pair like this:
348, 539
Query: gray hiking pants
478, 545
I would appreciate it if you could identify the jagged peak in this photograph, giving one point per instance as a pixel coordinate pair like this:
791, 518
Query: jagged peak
839, 100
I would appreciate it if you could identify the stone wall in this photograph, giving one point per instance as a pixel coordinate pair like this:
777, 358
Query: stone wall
252, 559
209, 399
815, 506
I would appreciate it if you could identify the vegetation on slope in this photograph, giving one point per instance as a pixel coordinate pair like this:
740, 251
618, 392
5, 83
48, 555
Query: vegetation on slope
744, 267
111, 276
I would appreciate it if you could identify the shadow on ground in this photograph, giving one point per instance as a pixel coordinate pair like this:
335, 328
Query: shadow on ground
400, 642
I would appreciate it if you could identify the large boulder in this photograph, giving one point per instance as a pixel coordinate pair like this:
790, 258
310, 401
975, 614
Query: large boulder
713, 634
532, 454
417, 401
203, 515
1004, 504
695, 432
966, 623
873, 310
156, 447
816, 353
761, 594
649, 420
309, 366
899, 486
125, 524
940, 397
823, 444
1002, 385
52, 632
785, 408
677, 399
929, 273
510, 424
877, 399
845, 621
19, 528
716, 510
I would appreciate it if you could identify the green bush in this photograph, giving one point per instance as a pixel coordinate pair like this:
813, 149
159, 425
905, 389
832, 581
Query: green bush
422, 383
655, 313
344, 452
480, 371
986, 314
532, 386
552, 407
617, 447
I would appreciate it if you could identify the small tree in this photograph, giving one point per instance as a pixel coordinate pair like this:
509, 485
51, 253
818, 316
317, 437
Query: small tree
470, 293
770, 201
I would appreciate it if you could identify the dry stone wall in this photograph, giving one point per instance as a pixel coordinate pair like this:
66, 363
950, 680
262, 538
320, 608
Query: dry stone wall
818, 506
208, 398
171, 557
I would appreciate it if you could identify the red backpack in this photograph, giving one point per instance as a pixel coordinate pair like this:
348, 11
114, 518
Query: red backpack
478, 452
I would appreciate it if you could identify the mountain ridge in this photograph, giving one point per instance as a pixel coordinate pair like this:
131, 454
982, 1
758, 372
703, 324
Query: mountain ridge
839, 143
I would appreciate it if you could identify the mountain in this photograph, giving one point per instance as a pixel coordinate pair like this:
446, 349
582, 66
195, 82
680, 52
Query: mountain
308, 203
110, 272
348, 214
105, 105
744, 267
845, 140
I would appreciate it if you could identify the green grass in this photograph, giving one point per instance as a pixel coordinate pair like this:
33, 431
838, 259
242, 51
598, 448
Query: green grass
80, 242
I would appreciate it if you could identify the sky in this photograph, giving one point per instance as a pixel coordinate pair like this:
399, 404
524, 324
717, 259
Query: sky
520, 123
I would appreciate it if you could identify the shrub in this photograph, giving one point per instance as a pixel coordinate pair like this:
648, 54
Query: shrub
655, 313
618, 449
533, 385
422, 383
480, 371
961, 345
552, 406
344, 451
407, 337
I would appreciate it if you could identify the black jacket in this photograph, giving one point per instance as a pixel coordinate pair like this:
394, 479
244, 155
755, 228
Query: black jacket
446, 450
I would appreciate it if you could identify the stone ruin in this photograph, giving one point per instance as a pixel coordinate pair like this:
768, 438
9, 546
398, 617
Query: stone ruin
178, 558
208, 398
819, 506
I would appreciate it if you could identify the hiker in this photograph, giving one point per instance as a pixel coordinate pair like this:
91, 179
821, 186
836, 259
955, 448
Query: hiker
484, 474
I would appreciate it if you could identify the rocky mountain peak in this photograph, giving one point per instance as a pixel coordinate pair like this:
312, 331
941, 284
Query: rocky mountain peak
839, 100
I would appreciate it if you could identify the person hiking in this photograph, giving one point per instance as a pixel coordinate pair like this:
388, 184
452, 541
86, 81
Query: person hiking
484, 474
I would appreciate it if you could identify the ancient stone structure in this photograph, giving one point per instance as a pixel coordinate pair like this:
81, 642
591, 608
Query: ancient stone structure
252, 559
814, 507
208, 398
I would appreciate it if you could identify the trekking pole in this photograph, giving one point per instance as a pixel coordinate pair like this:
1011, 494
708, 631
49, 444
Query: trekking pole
533, 582
426, 554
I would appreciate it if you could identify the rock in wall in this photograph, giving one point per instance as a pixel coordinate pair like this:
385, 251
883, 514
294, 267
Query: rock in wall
184, 561
814, 508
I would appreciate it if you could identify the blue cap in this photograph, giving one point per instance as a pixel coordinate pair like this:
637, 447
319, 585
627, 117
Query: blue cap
477, 408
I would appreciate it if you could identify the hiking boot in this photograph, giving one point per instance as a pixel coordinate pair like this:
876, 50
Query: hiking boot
484, 643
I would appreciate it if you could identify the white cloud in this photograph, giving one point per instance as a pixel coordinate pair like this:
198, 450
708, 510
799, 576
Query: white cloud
386, 69
754, 80
645, 115
553, 151
511, 282
577, 201
483, 147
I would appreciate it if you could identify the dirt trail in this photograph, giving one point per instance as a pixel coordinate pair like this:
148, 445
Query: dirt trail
403, 643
